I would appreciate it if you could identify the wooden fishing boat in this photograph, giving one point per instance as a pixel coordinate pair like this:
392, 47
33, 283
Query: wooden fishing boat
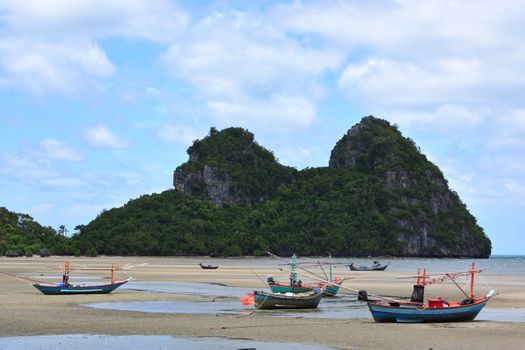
435, 310
375, 267
268, 300
208, 267
63, 289
66, 288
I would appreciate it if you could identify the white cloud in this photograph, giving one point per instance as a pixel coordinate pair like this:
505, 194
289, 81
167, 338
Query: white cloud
179, 134
57, 150
445, 118
293, 156
101, 136
43, 66
421, 55
25, 167
242, 65
64, 182
279, 110
420, 83
50, 47
515, 188
509, 130
41, 166
160, 20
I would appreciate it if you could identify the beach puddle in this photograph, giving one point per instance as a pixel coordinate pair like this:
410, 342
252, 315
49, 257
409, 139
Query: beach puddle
341, 307
328, 308
502, 315
189, 288
90, 341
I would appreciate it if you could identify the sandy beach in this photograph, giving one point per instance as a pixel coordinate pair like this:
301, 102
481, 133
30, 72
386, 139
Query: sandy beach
24, 311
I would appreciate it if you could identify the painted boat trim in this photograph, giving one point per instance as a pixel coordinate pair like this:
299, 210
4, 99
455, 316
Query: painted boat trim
384, 313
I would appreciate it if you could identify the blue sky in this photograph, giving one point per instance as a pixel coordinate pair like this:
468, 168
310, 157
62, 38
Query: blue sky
99, 100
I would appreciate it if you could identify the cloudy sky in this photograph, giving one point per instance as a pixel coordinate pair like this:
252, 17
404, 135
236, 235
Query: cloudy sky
99, 100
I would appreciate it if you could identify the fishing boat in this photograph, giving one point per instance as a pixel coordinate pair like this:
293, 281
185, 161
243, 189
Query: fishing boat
209, 267
330, 287
66, 288
376, 266
434, 310
269, 300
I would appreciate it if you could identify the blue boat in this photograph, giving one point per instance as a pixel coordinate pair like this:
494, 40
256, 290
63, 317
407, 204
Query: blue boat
434, 310
66, 288
407, 313
63, 289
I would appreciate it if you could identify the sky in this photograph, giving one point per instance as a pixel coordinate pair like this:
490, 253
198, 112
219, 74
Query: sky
99, 100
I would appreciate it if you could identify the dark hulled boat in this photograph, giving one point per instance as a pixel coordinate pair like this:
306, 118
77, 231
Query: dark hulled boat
375, 267
63, 289
66, 288
269, 301
209, 267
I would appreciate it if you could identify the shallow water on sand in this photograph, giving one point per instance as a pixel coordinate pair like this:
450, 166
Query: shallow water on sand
90, 341
339, 308
188, 288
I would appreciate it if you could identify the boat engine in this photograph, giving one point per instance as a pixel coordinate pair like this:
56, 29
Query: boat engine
362, 295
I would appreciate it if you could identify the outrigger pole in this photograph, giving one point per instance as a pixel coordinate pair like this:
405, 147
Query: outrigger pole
341, 286
294, 265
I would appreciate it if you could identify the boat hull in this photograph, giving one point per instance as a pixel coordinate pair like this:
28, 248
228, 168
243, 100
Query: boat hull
384, 313
270, 301
332, 288
62, 290
366, 268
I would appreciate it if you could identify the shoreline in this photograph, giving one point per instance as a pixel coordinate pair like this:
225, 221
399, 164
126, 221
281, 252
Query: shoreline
27, 312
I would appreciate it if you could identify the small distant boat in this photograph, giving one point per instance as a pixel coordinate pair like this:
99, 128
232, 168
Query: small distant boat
435, 310
269, 301
209, 267
66, 288
376, 266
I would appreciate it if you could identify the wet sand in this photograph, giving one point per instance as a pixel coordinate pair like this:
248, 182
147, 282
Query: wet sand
25, 311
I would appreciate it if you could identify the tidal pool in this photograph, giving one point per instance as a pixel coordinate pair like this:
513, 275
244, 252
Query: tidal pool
341, 307
338, 309
153, 342
189, 288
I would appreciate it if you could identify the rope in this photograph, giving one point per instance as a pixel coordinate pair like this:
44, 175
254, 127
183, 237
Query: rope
344, 287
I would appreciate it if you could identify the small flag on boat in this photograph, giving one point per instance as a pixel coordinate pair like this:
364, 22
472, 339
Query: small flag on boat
248, 299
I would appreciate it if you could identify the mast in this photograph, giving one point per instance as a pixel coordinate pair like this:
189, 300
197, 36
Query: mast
330, 264
112, 273
472, 272
65, 276
293, 274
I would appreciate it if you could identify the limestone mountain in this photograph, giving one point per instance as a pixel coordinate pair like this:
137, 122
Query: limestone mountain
378, 196
428, 217
229, 166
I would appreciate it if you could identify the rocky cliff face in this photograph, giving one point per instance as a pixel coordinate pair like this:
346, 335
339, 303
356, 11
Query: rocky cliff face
429, 219
230, 167
379, 195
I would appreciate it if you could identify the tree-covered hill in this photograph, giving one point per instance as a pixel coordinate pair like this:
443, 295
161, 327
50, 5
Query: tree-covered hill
379, 195
21, 235
229, 166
